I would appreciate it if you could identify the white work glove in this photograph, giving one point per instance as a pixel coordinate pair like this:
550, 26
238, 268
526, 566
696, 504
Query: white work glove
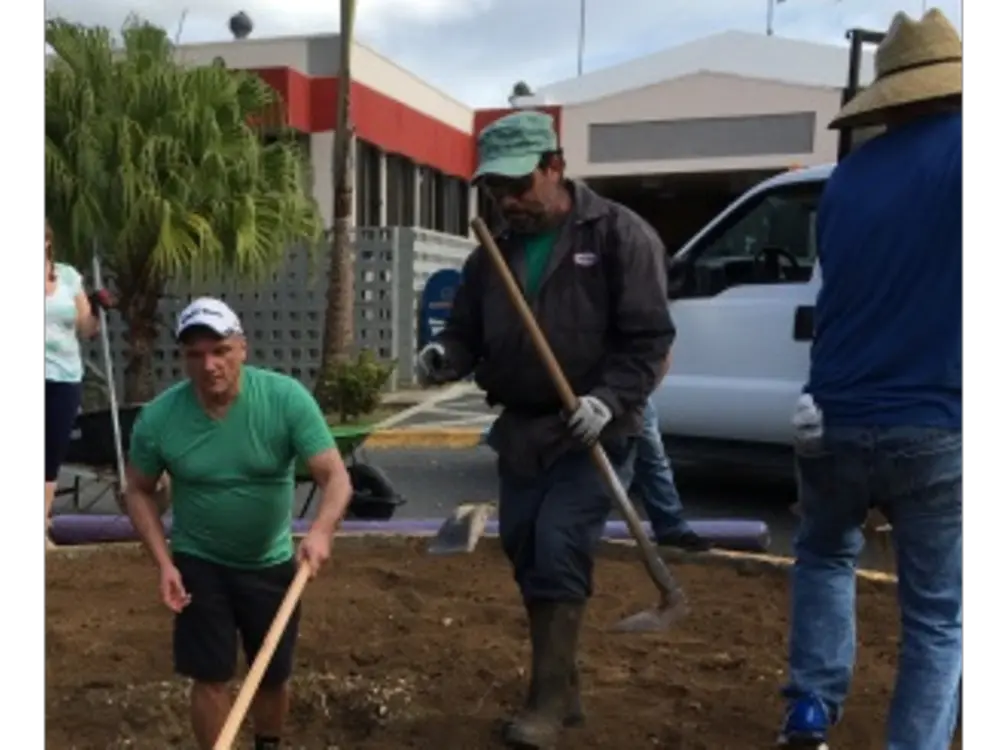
431, 365
589, 419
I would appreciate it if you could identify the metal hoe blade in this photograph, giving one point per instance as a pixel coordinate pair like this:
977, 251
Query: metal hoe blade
652, 620
462, 530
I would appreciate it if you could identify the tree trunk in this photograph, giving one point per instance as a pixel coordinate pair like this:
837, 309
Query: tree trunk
338, 331
140, 317
338, 334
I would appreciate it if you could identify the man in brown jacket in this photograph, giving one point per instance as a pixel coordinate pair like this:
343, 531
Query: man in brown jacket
593, 272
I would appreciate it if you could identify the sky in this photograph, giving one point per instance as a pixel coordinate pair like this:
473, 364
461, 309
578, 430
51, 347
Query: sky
476, 49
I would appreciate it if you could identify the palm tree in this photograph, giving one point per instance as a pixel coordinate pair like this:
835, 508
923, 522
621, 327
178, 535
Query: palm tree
162, 167
338, 329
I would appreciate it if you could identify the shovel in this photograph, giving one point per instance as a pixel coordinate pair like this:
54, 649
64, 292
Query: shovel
462, 530
673, 603
109, 376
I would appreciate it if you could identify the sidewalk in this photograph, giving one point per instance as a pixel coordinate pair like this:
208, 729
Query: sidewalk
455, 416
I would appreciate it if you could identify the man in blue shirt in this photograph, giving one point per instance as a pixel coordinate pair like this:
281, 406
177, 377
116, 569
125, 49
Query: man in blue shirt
880, 422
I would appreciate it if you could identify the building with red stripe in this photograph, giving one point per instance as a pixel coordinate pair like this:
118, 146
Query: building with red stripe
675, 135
415, 146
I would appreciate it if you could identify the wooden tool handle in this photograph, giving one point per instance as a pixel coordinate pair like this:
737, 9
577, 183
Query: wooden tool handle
566, 395
249, 688
670, 590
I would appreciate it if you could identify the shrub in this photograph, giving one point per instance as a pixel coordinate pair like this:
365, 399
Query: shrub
353, 388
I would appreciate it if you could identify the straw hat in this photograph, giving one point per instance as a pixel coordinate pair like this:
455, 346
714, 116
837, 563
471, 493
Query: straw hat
918, 61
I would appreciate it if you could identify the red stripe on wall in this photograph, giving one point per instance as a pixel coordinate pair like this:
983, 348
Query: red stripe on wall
311, 107
484, 117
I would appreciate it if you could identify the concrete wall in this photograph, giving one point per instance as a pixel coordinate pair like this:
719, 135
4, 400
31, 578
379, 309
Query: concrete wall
702, 95
283, 316
281, 52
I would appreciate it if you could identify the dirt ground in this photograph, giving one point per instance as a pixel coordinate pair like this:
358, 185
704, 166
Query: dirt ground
401, 650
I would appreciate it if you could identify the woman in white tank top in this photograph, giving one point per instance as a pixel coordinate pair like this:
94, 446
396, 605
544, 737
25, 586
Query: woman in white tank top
69, 314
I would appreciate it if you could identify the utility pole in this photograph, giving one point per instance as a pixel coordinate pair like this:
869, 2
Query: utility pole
770, 15
581, 38
180, 27
338, 332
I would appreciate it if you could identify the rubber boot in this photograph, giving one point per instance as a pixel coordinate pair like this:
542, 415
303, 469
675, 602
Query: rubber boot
555, 630
575, 716
574, 706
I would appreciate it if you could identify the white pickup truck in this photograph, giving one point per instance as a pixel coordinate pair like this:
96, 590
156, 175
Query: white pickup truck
742, 294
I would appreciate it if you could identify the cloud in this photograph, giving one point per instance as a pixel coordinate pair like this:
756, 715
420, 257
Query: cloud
476, 49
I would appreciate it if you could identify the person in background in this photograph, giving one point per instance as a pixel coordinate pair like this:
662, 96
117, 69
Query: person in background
880, 420
229, 436
69, 315
653, 482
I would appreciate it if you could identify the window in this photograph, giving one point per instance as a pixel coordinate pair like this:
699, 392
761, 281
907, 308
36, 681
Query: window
399, 191
452, 214
367, 185
427, 197
784, 218
770, 238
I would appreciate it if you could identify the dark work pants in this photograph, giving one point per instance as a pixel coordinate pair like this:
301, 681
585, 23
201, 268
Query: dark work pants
551, 524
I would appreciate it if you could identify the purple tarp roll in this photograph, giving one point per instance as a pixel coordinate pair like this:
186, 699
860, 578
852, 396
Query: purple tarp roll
735, 534
731, 533
92, 529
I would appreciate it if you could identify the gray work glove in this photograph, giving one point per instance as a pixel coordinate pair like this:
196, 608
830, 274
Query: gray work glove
431, 369
589, 420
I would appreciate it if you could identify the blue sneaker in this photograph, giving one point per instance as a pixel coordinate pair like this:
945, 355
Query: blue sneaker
806, 725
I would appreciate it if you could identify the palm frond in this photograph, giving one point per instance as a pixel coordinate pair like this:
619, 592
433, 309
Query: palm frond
161, 164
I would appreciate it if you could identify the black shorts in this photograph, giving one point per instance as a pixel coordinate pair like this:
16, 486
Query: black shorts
227, 605
62, 402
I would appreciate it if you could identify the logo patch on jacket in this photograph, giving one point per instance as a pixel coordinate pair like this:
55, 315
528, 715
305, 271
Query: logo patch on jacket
585, 260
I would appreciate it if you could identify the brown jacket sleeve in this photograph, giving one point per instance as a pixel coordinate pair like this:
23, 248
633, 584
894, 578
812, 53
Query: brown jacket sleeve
643, 330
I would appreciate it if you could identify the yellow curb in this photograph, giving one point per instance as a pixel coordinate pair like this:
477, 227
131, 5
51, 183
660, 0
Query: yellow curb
426, 437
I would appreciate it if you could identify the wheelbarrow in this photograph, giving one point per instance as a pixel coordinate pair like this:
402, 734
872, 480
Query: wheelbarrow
375, 498
91, 458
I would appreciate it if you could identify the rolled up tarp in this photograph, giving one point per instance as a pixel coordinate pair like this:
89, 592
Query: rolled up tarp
730, 533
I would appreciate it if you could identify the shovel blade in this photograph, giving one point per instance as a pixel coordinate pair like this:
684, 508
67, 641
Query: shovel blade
462, 530
653, 620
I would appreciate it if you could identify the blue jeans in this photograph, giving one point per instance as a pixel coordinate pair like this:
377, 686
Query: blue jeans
914, 476
654, 479
550, 525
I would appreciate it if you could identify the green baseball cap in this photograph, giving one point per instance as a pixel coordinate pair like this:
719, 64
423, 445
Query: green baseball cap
512, 145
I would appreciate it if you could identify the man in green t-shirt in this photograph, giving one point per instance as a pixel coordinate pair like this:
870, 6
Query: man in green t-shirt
229, 438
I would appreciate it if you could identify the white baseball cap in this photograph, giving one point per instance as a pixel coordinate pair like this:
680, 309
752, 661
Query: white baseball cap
210, 313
